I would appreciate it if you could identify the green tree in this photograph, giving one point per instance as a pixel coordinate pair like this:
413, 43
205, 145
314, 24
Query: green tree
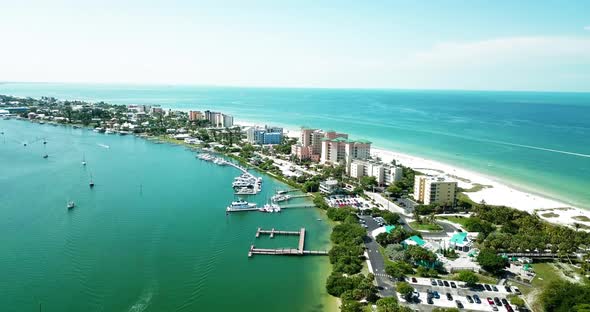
468, 277
516, 300
394, 190
405, 290
367, 182
490, 261
351, 306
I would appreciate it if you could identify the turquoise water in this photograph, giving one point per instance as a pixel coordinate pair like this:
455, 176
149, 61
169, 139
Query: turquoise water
151, 236
524, 138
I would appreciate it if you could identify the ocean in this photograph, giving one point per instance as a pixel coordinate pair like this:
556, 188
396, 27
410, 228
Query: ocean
151, 236
536, 141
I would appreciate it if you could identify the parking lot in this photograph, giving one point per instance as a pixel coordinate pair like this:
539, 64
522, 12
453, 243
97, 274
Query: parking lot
460, 293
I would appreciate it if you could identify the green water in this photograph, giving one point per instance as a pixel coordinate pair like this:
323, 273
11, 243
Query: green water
151, 236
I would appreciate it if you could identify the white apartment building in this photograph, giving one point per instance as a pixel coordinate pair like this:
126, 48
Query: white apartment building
434, 190
384, 174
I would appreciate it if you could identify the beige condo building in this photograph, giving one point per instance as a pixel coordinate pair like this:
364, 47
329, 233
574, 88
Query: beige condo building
434, 190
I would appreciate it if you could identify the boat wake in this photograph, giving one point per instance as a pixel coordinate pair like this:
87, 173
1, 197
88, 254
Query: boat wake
143, 302
103, 145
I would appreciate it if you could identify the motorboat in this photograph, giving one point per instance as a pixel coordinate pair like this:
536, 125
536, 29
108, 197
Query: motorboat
241, 204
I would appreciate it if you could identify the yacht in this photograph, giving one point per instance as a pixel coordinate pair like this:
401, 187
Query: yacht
71, 204
241, 183
241, 204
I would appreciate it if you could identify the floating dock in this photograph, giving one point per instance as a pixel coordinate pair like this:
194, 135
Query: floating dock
299, 251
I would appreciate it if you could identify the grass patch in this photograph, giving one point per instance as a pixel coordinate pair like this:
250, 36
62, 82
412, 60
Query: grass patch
581, 218
482, 278
425, 227
458, 220
546, 273
385, 258
475, 188
550, 215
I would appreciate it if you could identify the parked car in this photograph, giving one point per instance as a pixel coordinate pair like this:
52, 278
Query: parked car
429, 301
459, 304
476, 299
453, 285
439, 282
365, 226
509, 308
435, 294
495, 308
497, 301
490, 301
488, 288
516, 290
449, 297
446, 283
469, 299
432, 282
504, 301
494, 288
508, 288
414, 280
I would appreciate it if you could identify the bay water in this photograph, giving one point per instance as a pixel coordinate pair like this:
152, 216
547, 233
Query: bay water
151, 236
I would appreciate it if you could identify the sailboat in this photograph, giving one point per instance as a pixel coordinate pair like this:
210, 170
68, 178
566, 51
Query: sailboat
45, 149
91, 182
83, 160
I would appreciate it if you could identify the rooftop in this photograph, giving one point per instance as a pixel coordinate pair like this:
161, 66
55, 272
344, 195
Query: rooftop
417, 240
459, 238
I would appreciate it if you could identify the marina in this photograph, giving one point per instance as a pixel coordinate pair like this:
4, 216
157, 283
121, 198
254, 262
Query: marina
299, 251
244, 184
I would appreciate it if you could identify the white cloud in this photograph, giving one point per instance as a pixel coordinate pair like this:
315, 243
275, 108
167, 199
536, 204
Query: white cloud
587, 28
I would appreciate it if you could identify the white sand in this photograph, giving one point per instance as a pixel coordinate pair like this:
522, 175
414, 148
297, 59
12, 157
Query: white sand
495, 192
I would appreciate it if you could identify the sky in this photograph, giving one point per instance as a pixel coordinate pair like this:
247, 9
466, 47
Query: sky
468, 45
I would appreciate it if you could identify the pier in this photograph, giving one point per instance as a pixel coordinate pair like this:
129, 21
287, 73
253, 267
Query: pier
259, 209
299, 251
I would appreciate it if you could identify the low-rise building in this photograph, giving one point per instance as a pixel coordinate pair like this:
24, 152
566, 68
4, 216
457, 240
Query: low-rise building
434, 190
414, 241
329, 186
461, 241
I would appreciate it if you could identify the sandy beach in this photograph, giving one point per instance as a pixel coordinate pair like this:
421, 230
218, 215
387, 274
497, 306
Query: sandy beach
490, 189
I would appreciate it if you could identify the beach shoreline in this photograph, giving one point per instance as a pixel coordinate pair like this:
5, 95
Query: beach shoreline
492, 190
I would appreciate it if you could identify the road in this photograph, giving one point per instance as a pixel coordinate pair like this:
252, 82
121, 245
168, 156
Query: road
384, 282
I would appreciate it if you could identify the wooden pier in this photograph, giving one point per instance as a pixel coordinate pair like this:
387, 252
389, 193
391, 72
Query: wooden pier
300, 251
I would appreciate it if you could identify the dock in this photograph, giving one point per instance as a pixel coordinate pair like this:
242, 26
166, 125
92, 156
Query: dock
258, 209
299, 251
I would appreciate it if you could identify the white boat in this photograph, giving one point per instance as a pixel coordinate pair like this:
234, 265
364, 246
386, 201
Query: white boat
280, 197
71, 204
271, 208
241, 184
109, 131
241, 204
